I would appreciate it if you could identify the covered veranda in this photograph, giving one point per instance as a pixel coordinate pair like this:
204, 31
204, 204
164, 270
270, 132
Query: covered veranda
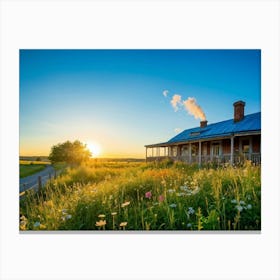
231, 149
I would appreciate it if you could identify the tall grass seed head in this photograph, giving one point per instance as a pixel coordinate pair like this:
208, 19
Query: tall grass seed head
125, 203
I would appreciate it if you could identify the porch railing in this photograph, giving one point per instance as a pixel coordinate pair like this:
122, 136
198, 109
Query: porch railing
255, 158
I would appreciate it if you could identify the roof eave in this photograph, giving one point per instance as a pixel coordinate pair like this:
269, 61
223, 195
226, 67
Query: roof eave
210, 138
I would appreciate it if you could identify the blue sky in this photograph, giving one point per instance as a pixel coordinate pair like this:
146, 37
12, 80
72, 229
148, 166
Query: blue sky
114, 98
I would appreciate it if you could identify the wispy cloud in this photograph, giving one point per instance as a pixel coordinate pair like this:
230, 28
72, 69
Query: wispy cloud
165, 92
176, 101
194, 109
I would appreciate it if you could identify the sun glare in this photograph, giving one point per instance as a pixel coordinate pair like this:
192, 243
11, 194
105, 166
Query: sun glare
94, 148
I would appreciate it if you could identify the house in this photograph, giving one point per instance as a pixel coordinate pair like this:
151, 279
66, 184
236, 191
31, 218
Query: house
231, 141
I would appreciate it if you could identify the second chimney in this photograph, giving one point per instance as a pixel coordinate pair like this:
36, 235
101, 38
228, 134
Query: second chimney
203, 124
238, 110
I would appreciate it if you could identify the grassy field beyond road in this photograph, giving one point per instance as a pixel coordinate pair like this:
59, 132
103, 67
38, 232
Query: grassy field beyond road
31, 167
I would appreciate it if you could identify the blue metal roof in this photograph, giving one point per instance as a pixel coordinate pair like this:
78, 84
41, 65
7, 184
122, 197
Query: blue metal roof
250, 123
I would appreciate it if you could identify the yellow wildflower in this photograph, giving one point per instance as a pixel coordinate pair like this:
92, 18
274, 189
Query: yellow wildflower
123, 224
101, 223
125, 203
42, 226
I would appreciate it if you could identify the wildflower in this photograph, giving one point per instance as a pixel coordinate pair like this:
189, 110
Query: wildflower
64, 211
189, 225
123, 224
23, 225
148, 195
184, 188
191, 211
161, 198
114, 213
233, 201
173, 205
171, 191
125, 203
101, 216
101, 223
196, 190
68, 217
248, 197
181, 194
241, 202
37, 224
249, 206
48, 203
42, 226
239, 208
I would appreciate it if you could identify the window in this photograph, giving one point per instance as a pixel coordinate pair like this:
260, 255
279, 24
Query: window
174, 151
185, 150
216, 149
194, 150
245, 146
204, 149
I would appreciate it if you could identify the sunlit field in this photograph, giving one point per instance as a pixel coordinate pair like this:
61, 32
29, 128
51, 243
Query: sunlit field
146, 196
31, 167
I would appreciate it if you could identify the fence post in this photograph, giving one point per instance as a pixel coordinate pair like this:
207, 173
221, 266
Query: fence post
39, 183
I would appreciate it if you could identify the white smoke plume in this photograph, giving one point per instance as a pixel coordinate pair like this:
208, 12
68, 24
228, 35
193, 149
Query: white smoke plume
194, 109
165, 92
175, 101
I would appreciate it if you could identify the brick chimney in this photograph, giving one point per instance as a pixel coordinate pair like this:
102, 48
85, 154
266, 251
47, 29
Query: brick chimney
238, 110
203, 124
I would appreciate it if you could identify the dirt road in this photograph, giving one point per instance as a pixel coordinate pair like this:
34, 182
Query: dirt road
31, 182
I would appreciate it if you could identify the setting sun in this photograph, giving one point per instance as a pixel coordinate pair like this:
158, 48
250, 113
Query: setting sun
94, 148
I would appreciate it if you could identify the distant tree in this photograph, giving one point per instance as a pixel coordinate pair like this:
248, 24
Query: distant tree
69, 152
38, 159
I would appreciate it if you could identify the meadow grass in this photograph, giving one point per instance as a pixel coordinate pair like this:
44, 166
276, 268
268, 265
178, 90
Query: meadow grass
146, 196
29, 169
32, 162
